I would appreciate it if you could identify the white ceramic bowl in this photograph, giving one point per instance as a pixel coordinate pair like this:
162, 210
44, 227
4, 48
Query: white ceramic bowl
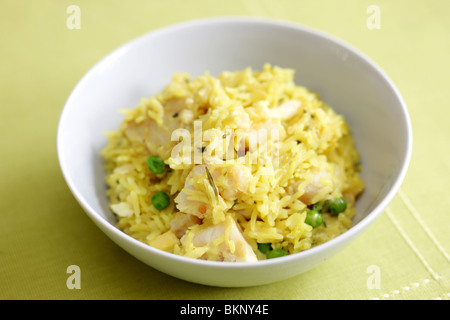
345, 78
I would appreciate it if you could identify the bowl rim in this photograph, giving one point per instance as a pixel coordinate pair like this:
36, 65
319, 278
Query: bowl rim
329, 245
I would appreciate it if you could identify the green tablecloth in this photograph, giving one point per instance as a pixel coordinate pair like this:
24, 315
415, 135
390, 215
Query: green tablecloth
43, 230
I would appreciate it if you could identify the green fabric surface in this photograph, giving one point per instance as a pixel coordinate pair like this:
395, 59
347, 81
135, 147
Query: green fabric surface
43, 230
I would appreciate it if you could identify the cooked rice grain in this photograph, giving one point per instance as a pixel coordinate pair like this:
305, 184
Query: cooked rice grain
307, 155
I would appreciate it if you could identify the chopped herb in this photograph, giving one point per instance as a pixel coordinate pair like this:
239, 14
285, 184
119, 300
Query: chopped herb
211, 181
317, 206
325, 206
358, 166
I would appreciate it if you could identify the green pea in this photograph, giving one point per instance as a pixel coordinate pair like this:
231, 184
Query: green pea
337, 206
276, 253
156, 165
313, 218
161, 200
264, 247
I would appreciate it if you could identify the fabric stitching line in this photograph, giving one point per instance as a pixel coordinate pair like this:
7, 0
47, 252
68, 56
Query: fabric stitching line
408, 240
404, 289
422, 223
445, 296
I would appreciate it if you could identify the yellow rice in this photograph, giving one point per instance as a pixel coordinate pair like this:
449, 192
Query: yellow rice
312, 140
